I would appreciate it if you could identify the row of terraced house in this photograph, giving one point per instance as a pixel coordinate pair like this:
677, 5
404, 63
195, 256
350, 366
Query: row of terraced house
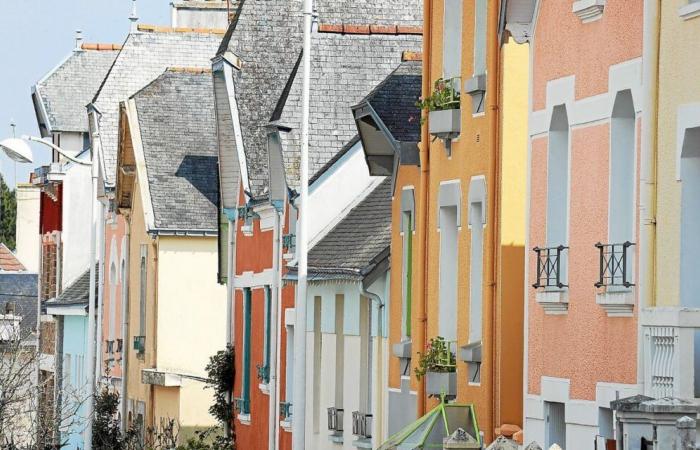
502, 222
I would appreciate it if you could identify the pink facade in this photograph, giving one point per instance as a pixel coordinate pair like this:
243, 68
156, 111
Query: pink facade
116, 249
582, 337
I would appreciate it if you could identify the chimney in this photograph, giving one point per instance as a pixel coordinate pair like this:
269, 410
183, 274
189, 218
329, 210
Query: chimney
133, 18
78, 41
201, 13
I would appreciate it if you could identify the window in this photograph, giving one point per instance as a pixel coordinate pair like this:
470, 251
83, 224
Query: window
622, 169
407, 227
477, 221
112, 298
142, 292
289, 380
452, 39
264, 370
555, 424
365, 403
476, 87
558, 184
318, 350
448, 222
339, 350
244, 404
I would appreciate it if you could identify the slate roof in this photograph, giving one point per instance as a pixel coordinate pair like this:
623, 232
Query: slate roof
349, 250
66, 90
78, 292
266, 35
178, 131
394, 101
144, 56
8, 260
20, 289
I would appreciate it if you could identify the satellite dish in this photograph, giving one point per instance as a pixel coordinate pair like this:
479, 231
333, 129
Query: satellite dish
17, 149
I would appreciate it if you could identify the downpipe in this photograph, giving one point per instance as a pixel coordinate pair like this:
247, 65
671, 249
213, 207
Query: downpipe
380, 355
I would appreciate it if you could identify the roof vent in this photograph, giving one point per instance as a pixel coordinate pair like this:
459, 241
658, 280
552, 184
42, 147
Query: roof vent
133, 18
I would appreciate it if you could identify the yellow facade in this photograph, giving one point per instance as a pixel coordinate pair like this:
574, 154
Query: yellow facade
492, 146
679, 67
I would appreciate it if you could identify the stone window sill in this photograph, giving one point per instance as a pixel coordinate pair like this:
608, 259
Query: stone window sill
362, 443
689, 11
244, 419
617, 303
286, 425
264, 388
553, 302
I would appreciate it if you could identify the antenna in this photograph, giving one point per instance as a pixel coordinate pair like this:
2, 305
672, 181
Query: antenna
133, 17
13, 125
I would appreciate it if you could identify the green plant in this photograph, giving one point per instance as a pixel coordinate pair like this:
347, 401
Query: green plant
437, 358
221, 372
444, 96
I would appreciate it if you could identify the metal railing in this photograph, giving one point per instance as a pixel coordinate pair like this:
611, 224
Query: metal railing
289, 241
263, 373
335, 419
362, 424
614, 267
286, 411
140, 344
549, 267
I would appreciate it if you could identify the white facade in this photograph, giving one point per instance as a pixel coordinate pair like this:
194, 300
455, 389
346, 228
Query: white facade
351, 374
75, 234
27, 226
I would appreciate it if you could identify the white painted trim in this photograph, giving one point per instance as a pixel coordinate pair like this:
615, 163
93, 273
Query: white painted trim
233, 105
267, 216
688, 116
617, 304
582, 412
607, 392
591, 110
244, 419
555, 389
140, 159
253, 279
553, 302
689, 11
534, 407
588, 10
66, 310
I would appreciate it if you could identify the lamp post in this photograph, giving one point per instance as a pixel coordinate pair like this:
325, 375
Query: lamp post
18, 150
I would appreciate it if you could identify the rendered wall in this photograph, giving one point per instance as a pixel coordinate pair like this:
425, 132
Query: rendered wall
75, 386
77, 193
115, 276
27, 227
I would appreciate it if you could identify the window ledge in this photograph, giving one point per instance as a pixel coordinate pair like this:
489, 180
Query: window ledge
553, 302
362, 443
336, 437
616, 303
264, 388
689, 11
244, 419
286, 425
589, 10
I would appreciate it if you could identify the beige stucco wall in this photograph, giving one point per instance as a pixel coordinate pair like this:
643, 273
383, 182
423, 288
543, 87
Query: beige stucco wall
679, 67
27, 226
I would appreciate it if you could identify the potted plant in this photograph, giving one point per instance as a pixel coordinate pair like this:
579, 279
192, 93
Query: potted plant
443, 108
438, 364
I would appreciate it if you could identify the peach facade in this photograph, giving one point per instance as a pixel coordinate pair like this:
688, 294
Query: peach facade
582, 338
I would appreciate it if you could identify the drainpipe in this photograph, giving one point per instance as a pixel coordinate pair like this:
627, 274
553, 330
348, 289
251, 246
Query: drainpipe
380, 354
125, 327
422, 329
299, 422
647, 206
494, 81
273, 419
100, 292
232, 218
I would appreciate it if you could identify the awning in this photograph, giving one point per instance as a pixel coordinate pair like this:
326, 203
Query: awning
429, 431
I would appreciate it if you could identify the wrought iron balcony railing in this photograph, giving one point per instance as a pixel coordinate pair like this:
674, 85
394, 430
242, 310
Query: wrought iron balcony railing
335, 419
289, 241
549, 267
614, 265
362, 424
263, 373
140, 344
286, 411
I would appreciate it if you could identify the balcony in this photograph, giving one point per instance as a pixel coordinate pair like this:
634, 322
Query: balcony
242, 406
335, 424
140, 345
615, 274
362, 428
550, 278
670, 354
263, 373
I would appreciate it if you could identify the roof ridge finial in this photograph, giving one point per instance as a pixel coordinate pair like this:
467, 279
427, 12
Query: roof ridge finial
78, 41
133, 18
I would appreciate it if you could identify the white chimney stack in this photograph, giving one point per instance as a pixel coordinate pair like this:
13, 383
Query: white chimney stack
78, 41
133, 18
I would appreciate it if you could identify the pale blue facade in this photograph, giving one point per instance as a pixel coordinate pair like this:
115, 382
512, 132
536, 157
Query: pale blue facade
75, 375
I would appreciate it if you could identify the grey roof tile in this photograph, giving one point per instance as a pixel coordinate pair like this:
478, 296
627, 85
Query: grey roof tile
395, 99
178, 131
144, 56
20, 289
353, 244
267, 37
67, 90
77, 292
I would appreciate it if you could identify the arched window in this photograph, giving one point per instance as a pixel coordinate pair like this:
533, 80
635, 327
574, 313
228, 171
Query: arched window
622, 169
690, 218
558, 184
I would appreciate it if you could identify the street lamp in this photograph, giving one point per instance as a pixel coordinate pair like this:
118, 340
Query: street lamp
19, 150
